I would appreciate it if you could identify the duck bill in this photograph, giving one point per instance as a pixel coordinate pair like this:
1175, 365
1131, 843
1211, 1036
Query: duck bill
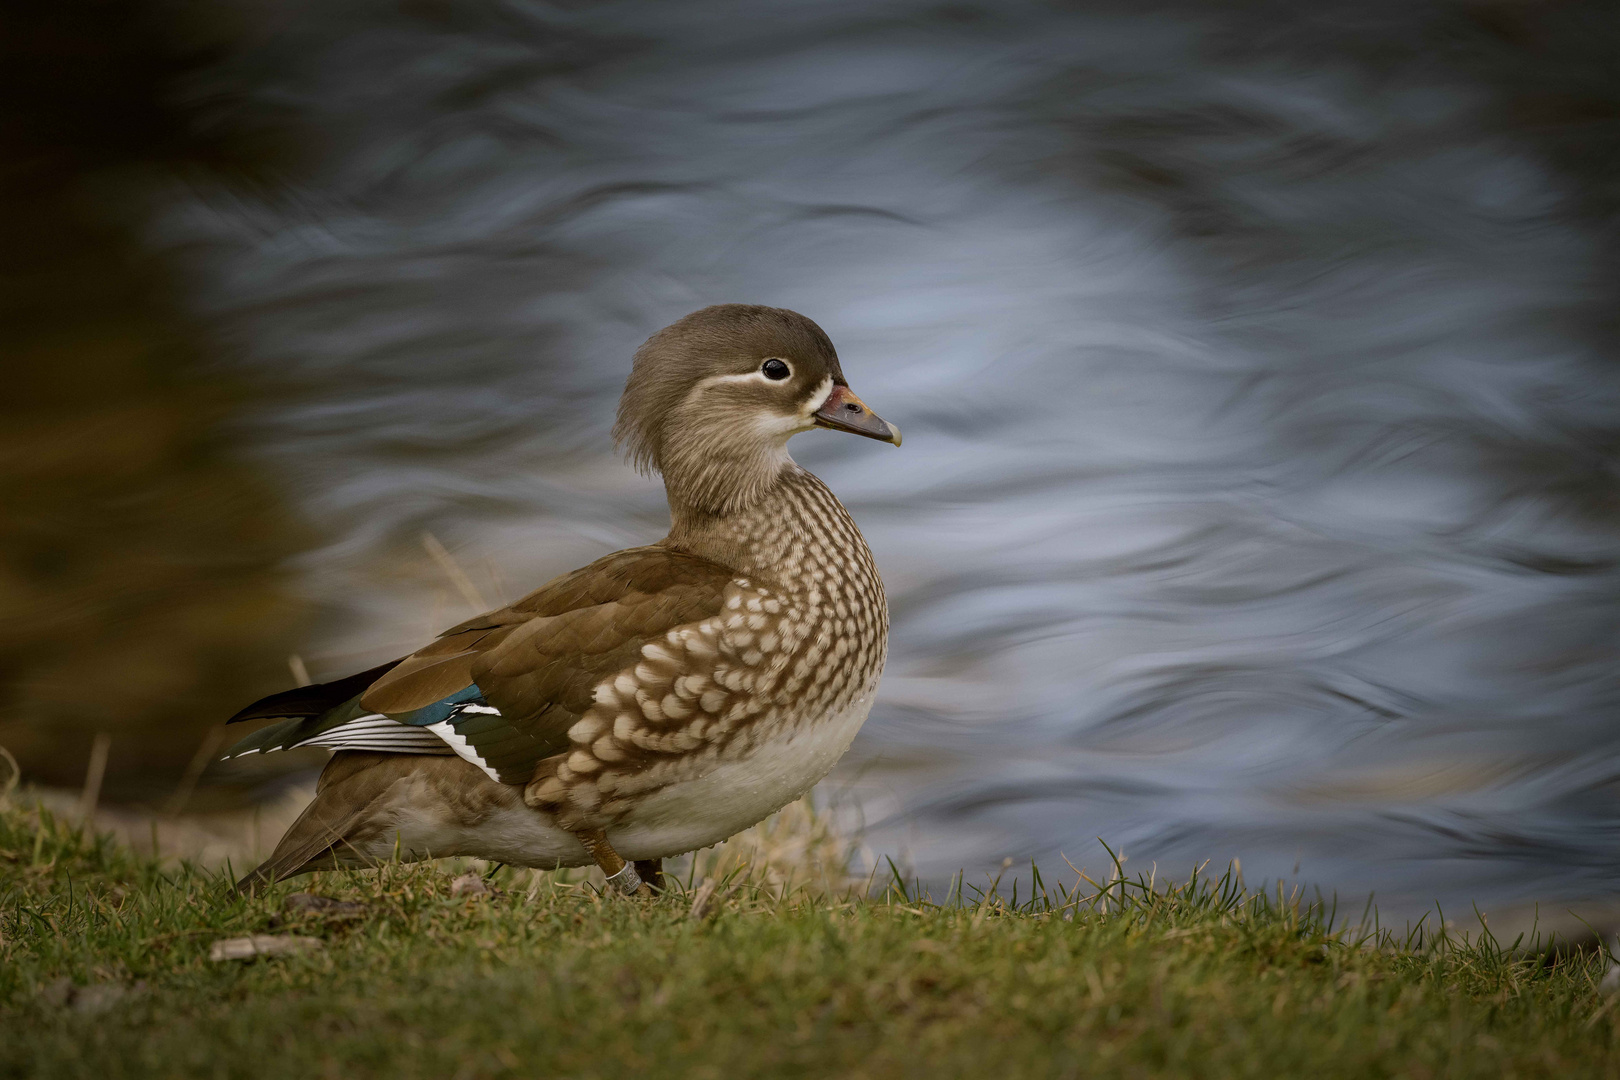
843, 411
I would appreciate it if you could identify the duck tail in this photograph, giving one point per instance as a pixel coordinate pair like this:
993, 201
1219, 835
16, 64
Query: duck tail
349, 786
304, 702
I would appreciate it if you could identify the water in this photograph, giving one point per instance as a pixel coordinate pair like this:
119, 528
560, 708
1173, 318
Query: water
1258, 495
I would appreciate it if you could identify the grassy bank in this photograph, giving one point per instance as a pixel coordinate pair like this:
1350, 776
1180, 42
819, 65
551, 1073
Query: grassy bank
105, 972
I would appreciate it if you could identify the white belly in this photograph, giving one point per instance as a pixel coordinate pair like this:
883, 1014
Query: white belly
683, 817
738, 794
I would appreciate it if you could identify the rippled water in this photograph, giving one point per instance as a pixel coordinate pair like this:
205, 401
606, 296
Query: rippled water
1258, 494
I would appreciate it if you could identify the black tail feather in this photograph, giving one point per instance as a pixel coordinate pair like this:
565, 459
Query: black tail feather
312, 700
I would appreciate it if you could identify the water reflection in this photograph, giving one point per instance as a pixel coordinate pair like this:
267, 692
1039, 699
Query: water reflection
1257, 496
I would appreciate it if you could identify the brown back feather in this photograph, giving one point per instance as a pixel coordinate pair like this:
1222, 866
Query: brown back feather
539, 659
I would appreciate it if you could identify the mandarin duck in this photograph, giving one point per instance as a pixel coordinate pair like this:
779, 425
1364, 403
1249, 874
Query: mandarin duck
655, 702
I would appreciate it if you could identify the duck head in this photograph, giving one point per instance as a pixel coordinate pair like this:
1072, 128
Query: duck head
713, 399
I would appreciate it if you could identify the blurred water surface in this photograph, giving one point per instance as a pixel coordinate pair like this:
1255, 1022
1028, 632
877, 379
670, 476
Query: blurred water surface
1258, 496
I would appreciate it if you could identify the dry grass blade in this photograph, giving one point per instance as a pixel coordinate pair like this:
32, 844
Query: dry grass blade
93, 774
452, 570
194, 769
13, 777
712, 895
701, 899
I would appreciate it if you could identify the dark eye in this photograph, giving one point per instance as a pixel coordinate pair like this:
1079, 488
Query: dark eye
775, 369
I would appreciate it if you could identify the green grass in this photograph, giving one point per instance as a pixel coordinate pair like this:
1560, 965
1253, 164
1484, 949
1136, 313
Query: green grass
548, 978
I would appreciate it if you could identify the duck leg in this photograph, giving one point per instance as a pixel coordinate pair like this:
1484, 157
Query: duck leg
651, 872
621, 876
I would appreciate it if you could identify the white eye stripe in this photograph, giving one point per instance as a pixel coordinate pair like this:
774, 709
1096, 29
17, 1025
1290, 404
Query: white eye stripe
757, 375
818, 397
752, 376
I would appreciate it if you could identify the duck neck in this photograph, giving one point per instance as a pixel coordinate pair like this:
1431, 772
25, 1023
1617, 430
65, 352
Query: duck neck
721, 477
754, 538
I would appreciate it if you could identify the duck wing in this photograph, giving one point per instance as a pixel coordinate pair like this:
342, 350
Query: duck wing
502, 689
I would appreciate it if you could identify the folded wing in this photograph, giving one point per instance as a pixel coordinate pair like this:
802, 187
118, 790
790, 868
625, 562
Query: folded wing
502, 689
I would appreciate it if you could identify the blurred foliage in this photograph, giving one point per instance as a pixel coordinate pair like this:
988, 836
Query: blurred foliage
142, 589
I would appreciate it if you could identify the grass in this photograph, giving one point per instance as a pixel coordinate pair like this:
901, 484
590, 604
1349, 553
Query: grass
105, 972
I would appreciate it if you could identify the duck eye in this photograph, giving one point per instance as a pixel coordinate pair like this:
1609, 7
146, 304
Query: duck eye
775, 369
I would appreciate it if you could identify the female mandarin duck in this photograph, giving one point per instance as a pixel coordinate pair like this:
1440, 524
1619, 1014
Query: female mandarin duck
654, 702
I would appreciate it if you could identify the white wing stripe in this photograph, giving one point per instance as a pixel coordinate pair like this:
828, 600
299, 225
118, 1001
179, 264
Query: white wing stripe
387, 725
373, 742
434, 747
462, 747
400, 738
374, 731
